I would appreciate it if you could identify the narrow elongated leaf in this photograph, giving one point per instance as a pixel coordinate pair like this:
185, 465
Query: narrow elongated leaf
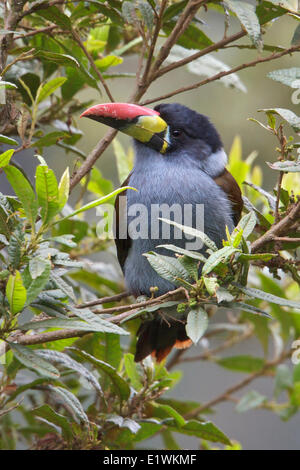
57, 419
63, 285
71, 402
249, 401
247, 223
131, 368
57, 17
63, 189
247, 16
287, 115
289, 77
120, 384
48, 88
63, 359
97, 202
61, 59
197, 323
162, 410
31, 360
242, 363
38, 283
168, 268
47, 192
23, 190
259, 294
5, 157
49, 139
7, 140
182, 251
205, 430
218, 257
91, 318
15, 292
193, 232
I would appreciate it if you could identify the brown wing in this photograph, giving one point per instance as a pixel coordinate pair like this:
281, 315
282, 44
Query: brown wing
227, 182
122, 244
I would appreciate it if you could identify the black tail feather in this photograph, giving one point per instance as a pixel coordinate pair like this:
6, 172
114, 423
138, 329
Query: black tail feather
158, 337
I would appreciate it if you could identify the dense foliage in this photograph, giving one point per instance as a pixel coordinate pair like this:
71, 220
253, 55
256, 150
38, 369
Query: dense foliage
68, 379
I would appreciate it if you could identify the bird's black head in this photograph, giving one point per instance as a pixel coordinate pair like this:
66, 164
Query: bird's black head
187, 128
169, 131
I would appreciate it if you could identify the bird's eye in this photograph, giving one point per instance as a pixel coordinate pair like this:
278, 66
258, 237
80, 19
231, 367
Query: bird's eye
176, 132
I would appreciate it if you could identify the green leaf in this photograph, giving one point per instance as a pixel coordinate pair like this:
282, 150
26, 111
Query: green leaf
56, 16
283, 380
63, 189
286, 76
250, 401
69, 324
131, 368
107, 62
120, 384
205, 430
247, 224
218, 257
267, 11
147, 14
38, 280
190, 254
259, 294
61, 59
168, 268
24, 191
49, 139
7, 85
48, 88
161, 411
97, 202
57, 419
128, 12
197, 323
5, 157
15, 293
288, 166
7, 140
47, 192
95, 320
191, 38
247, 16
193, 232
72, 403
286, 114
63, 359
246, 364
31, 360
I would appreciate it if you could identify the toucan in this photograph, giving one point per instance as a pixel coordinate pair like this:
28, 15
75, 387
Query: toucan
180, 163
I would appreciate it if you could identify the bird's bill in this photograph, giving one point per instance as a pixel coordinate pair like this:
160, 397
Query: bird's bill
143, 124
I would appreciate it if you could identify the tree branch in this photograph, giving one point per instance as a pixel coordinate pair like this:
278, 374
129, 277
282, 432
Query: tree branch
277, 229
219, 75
239, 385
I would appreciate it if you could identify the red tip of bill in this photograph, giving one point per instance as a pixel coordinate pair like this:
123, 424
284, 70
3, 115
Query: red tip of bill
119, 111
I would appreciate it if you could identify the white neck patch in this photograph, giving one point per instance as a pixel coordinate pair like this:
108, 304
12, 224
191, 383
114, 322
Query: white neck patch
215, 163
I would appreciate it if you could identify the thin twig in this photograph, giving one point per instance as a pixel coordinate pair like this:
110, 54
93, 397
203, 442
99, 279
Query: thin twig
213, 47
225, 73
92, 63
238, 386
278, 229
